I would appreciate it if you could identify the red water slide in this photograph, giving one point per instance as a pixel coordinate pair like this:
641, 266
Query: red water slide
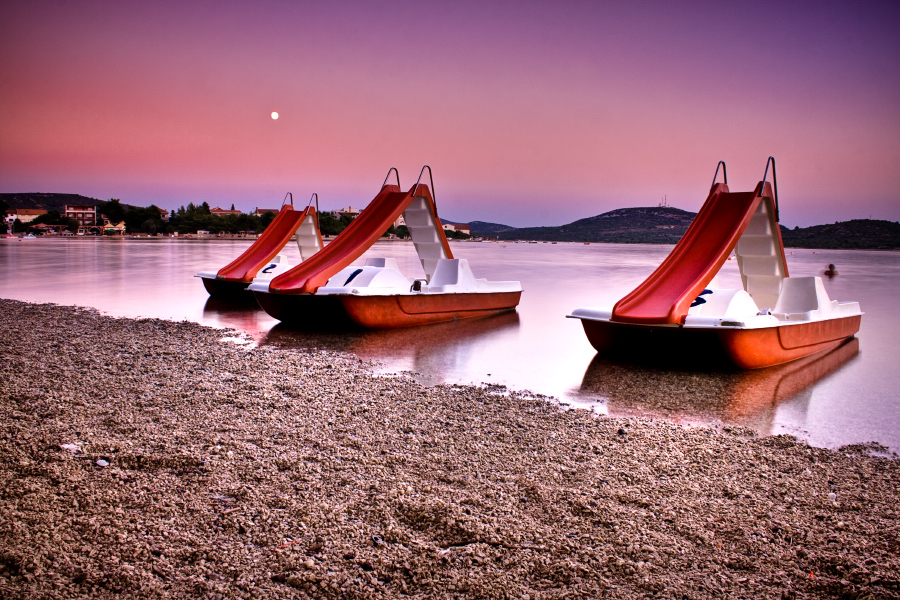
270, 242
359, 235
665, 296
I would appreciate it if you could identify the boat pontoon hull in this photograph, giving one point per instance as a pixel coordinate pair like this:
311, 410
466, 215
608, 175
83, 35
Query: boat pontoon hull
718, 346
225, 289
383, 312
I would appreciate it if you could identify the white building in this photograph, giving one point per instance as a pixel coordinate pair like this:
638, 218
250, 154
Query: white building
349, 211
261, 211
85, 215
458, 227
24, 215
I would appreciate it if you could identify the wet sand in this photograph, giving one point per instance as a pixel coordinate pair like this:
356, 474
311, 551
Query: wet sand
147, 458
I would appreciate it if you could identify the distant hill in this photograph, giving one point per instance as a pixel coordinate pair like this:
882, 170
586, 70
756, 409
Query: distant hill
666, 225
644, 225
482, 227
868, 234
45, 201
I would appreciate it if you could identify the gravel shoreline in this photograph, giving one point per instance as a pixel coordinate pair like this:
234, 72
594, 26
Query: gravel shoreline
148, 459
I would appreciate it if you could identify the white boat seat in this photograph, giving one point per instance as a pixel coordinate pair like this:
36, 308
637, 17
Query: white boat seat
453, 275
387, 263
801, 299
723, 304
805, 299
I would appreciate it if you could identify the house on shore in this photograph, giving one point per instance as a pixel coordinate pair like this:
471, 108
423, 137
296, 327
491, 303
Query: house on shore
458, 227
221, 212
261, 211
349, 212
85, 215
24, 215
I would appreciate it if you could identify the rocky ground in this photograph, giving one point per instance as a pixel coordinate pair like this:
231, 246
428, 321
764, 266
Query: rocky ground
146, 458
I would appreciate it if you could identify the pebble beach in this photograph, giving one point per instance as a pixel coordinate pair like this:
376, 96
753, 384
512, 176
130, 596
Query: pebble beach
145, 458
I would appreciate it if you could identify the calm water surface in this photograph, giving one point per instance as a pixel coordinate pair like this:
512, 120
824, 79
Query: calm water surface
850, 395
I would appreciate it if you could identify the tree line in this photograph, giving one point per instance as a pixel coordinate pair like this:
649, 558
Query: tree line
193, 218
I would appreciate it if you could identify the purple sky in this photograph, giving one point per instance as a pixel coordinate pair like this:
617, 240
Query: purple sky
530, 113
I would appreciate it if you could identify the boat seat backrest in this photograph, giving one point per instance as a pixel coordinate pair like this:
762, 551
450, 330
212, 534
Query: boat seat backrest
387, 263
725, 304
800, 295
452, 272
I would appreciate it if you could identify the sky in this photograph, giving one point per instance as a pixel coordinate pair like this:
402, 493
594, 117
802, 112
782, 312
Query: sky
528, 112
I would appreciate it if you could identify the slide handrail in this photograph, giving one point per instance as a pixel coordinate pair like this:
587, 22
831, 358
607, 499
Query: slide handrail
283, 202
724, 174
431, 178
316, 196
396, 172
774, 184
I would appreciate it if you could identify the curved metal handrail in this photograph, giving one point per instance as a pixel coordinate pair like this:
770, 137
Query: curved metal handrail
283, 202
724, 174
396, 172
774, 184
316, 196
431, 178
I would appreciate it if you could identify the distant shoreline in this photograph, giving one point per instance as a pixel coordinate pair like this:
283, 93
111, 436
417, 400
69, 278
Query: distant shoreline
232, 237
633, 225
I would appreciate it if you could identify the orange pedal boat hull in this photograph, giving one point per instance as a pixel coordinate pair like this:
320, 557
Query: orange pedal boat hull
384, 312
742, 348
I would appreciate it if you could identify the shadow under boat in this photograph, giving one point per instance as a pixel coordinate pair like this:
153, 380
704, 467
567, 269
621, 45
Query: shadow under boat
746, 398
241, 312
239, 303
427, 346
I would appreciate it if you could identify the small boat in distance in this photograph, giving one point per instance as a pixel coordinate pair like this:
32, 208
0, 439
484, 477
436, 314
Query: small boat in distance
329, 291
679, 315
261, 260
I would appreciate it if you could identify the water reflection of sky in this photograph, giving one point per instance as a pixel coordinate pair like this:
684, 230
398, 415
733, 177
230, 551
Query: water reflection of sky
849, 396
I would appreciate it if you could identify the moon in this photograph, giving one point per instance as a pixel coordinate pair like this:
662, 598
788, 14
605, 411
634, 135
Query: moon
274, 116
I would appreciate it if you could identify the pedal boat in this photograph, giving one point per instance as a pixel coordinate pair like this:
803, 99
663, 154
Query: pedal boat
262, 261
679, 315
329, 290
